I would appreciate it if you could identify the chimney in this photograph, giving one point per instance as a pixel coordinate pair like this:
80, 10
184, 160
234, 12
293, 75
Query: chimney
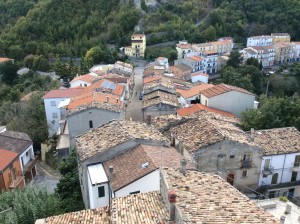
183, 163
282, 219
110, 172
252, 134
117, 100
288, 209
172, 201
107, 99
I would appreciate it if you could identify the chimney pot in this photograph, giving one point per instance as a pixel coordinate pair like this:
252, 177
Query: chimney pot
172, 201
149, 119
183, 163
107, 99
252, 134
111, 172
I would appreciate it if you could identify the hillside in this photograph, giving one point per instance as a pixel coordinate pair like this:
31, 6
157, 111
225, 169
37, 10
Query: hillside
68, 27
71, 27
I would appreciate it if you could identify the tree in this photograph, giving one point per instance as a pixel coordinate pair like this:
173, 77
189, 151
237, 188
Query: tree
235, 59
40, 63
8, 72
68, 187
209, 34
254, 62
27, 205
28, 61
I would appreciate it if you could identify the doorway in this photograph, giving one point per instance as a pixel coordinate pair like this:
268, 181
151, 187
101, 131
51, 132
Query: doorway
230, 178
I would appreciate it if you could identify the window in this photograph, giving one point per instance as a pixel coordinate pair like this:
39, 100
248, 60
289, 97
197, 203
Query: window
53, 103
244, 173
294, 176
27, 153
274, 178
54, 115
134, 192
267, 164
246, 157
91, 124
85, 85
231, 156
297, 161
101, 192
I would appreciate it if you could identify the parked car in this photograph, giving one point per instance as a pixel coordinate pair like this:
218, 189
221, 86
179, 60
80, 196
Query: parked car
141, 96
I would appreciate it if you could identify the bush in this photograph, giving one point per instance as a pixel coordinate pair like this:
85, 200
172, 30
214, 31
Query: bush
283, 198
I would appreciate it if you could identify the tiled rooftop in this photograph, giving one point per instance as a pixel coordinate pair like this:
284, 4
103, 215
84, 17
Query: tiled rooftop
166, 82
95, 100
6, 157
14, 141
147, 208
184, 46
63, 93
5, 59
128, 165
161, 122
206, 198
193, 91
157, 97
98, 86
86, 78
278, 140
113, 133
152, 79
207, 129
198, 107
221, 89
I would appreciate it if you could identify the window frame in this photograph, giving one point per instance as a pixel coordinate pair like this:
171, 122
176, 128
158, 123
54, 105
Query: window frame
101, 191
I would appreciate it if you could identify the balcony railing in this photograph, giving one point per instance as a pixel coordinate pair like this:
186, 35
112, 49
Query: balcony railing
30, 164
246, 164
13, 183
268, 170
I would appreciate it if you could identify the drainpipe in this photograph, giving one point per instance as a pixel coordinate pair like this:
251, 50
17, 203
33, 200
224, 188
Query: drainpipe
283, 168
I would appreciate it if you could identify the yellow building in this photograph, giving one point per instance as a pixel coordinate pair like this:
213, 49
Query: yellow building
281, 37
138, 46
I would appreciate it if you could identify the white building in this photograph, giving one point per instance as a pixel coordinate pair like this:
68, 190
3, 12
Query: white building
280, 167
228, 98
82, 81
183, 48
297, 51
259, 41
199, 77
265, 55
134, 171
52, 99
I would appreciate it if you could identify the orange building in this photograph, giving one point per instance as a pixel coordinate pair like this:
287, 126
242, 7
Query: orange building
11, 176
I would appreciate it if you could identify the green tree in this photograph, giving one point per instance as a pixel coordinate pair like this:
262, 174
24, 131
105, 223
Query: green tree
28, 205
8, 72
68, 187
28, 61
235, 59
254, 62
40, 63
209, 34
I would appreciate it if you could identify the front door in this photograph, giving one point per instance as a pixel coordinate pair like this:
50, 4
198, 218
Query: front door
291, 193
230, 178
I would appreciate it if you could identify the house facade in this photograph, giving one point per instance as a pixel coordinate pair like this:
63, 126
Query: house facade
138, 46
52, 99
265, 40
82, 81
22, 164
280, 167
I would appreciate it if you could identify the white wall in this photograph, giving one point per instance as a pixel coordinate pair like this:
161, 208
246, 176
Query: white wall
199, 78
233, 102
27, 158
52, 127
147, 183
78, 83
283, 165
95, 201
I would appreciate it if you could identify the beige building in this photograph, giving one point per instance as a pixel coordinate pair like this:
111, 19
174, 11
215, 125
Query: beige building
284, 52
280, 37
138, 46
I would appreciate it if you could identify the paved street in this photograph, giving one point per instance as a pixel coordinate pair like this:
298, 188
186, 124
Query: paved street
45, 177
134, 108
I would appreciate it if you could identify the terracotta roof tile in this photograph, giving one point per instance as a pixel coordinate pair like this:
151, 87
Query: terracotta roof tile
207, 198
158, 97
221, 89
278, 140
198, 107
200, 74
193, 91
184, 46
5, 59
85, 78
63, 93
102, 85
6, 157
132, 209
152, 79
196, 58
112, 134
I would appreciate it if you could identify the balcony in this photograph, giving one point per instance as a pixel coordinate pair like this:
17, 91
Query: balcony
296, 166
17, 181
268, 171
30, 164
246, 164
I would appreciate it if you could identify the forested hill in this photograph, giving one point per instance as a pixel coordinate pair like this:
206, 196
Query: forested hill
71, 27
66, 27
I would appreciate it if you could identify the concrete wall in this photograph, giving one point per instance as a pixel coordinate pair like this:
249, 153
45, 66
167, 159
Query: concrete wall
78, 123
233, 102
24, 159
78, 83
53, 123
199, 78
148, 183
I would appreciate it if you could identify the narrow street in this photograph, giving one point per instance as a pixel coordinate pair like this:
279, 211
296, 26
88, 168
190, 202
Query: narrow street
46, 177
134, 108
